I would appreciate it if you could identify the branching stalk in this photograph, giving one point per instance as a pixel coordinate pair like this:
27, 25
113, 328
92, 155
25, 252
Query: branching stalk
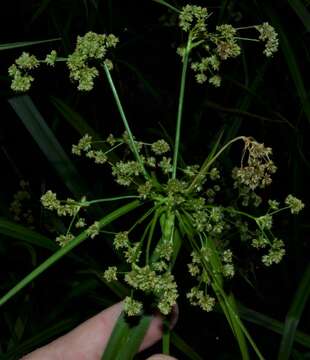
206, 165
126, 124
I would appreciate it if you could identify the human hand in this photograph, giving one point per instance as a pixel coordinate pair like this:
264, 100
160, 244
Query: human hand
88, 340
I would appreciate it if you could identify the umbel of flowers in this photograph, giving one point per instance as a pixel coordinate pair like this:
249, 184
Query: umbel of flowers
194, 205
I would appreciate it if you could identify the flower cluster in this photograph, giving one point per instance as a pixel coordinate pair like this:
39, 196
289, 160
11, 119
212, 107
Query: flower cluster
69, 208
268, 35
294, 204
219, 45
18, 207
154, 278
51, 58
90, 47
125, 172
275, 253
256, 167
193, 17
21, 78
198, 297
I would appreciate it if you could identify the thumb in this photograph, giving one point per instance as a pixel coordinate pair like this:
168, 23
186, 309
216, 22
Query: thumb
161, 357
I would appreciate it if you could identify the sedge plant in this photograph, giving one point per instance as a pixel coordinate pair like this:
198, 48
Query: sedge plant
203, 209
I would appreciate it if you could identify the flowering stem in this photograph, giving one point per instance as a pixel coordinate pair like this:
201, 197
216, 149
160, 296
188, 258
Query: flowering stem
180, 107
208, 162
166, 339
126, 124
247, 39
245, 27
117, 198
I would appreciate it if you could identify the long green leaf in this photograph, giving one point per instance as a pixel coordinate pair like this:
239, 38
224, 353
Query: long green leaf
20, 232
302, 12
39, 339
293, 316
180, 344
73, 117
271, 324
119, 332
49, 145
25, 43
63, 251
40, 10
291, 61
165, 3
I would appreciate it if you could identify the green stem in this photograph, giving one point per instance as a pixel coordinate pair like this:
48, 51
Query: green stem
180, 107
126, 124
228, 305
150, 237
245, 27
246, 39
63, 251
116, 198
166, 340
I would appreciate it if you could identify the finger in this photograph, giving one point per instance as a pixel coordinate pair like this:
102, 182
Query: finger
91, 337
155, 331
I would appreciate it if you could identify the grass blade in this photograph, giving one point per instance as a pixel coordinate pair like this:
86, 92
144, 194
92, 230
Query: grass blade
41, 338
20, 232
49, 145
25, 43
293, 316
301, 12
63, 251
73, 118
146, 83
292, 63
180, 344
41, 9
271, 324
162, 2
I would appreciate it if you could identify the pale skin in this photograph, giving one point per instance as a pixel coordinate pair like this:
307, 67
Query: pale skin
88, 340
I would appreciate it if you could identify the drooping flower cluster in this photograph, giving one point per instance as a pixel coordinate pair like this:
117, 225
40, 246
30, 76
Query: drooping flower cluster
256, 166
